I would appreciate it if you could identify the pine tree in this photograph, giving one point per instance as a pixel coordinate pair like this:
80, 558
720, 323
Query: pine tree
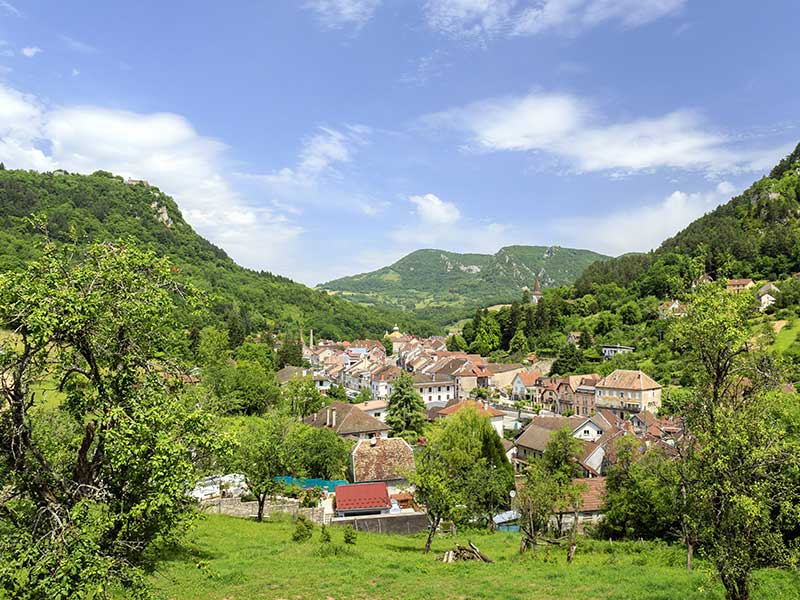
519, 343
406, 412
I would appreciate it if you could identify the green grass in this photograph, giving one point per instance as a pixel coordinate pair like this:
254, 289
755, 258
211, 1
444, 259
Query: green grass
787, 336
229, 558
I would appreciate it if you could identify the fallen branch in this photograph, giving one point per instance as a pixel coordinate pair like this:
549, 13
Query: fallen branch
461, 553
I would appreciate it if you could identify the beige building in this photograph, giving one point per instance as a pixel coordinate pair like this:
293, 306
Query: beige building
628, 392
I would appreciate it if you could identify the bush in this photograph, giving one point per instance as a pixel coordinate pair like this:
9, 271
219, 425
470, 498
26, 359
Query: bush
350, 535
303, 529
324, 535
311, 497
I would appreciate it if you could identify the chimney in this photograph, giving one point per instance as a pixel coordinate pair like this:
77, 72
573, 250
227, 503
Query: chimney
333, 417
328, 416
373, 441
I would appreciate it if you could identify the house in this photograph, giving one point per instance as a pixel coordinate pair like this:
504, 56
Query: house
737, 286
362, 499
388, 460
348, 421
593, 495
611, 351
533, 439
502, 375
671, 308
766, 296
574, 338
290, 372
495, 416
628, 391
572, 394
436, 389
704, 278
526, 386
381, 384
765, 301
374, 408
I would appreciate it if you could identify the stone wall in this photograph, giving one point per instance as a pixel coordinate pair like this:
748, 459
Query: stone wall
404, 523
247, 510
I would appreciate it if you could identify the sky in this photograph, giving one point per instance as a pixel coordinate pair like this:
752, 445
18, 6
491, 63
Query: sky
323, 138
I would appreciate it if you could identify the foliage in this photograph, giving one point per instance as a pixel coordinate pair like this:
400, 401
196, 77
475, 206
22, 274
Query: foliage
462, 472
405, 413
91, 485
303, 529
300, 397
364, 395
350, 535
101, 207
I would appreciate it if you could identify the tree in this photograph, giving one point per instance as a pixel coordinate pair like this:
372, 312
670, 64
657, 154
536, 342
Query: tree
321, 452
569, 360
487, 336
336, 393
290, 352
435, 491
456, 343
213, 348
301, 397
534, 503
83, 511
745, 460
405, 413
519, 344
469, 454
364, 395
263, 454
244, 387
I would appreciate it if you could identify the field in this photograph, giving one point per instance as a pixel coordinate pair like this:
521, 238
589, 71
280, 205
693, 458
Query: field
786, 336
231, 559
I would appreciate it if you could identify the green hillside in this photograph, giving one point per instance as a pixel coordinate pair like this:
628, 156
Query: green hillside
444, 286
756, 234
102, 206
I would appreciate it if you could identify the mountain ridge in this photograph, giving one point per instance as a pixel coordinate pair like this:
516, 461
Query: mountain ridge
440, 284
102, 206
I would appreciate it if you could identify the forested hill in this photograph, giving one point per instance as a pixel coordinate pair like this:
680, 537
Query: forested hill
102, 206
755, 234
442, 285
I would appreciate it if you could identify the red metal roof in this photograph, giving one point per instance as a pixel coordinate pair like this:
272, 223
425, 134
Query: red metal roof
362, 495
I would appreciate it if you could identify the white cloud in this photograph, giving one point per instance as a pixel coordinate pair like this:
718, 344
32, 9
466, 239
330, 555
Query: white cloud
75, 72
335, 14
31, 51
9, 8
161, 147
641, 228
571, 129
432, 210
77, 45
426, 68
485, 19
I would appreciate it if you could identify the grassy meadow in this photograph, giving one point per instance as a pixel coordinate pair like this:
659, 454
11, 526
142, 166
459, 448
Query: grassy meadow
232, 559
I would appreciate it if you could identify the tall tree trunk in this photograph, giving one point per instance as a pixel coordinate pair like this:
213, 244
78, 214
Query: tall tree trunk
434, 525
736, 587
262, 499
689, 554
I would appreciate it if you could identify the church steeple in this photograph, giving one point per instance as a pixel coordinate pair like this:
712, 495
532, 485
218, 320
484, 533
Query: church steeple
537, 292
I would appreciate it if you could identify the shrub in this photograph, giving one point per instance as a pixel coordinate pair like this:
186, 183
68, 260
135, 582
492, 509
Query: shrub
303, 529
350, 535
324, 535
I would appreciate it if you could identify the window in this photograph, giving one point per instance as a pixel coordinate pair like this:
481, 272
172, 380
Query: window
439, 397
585, 432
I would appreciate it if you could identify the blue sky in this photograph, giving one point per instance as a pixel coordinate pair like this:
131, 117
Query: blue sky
322, 138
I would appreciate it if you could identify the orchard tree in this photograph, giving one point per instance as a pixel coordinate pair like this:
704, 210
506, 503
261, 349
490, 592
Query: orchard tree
90, 485
264, 453
745, 459
301, 397
405, 413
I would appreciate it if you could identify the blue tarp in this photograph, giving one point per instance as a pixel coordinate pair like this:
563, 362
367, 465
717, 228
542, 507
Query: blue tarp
326, 484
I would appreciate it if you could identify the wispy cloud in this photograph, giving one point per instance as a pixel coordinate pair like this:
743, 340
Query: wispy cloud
574, 130
486, 19
31, 51
425, 68
9, 8
336, 14
77, 45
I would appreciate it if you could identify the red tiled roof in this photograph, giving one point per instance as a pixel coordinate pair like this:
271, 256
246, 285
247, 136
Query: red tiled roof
360, 496
478, 406
529, 378
594, 493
